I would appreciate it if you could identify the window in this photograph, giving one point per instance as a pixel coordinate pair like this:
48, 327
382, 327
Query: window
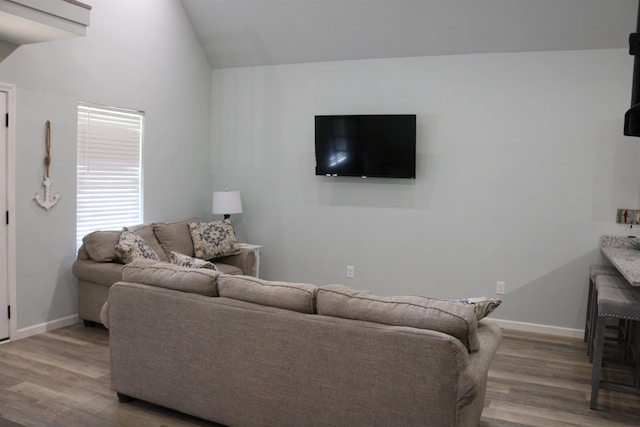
109, 179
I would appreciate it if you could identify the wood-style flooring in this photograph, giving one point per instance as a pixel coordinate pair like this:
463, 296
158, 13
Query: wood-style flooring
61, 378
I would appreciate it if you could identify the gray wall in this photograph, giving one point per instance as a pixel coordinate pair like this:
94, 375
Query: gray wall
141, 55
521, 165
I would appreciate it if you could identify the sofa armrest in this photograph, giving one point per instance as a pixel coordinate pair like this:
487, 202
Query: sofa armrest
83, 254
245, 261
473, 380
104, 314
103, 273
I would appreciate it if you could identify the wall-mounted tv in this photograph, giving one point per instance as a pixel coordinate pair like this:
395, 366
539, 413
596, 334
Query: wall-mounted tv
366, 145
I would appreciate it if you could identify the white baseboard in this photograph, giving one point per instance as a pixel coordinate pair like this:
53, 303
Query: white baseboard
538, 328
46, 327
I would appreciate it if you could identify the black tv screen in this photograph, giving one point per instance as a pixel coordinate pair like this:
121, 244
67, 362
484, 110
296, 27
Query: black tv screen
366, 145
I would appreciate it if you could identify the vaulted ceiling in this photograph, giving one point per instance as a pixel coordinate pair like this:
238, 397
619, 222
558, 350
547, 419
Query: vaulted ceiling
237, 33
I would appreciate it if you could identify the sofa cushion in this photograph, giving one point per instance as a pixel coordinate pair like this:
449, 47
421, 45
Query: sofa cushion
450, 317
104, 314
290, 296
146, 232
213, 239
132, 246
166, 275
227, 268
174, 236
483, 306
101, 245
189, 261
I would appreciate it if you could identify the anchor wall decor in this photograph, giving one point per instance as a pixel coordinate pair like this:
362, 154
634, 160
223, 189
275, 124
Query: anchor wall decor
47, 202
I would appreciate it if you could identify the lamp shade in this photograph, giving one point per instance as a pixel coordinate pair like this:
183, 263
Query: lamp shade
226, 202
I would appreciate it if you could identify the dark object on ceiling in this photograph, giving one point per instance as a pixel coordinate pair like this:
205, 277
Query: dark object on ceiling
632, 116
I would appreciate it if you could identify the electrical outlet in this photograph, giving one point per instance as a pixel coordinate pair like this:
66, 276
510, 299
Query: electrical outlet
500, 288
351, 271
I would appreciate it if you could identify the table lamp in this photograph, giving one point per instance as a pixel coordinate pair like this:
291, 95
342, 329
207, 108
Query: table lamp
226, 203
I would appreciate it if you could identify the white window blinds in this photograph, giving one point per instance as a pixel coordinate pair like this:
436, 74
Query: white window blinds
109, 181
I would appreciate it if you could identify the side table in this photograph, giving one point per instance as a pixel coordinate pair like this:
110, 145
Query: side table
256, 250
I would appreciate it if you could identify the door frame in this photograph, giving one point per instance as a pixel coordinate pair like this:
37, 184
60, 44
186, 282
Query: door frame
10, 90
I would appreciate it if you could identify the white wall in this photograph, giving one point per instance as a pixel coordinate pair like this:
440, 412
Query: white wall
521, 165
138, 54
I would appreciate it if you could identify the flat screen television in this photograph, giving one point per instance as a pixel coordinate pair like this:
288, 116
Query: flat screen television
365, 146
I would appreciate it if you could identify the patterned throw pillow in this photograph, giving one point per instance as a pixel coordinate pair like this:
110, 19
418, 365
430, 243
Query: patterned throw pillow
131, 246
213, 239
483, 306
189, 261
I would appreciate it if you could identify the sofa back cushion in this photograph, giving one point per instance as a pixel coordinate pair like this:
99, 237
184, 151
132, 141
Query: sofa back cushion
289, 296
174, 236
166, 275
450, 317
101, 245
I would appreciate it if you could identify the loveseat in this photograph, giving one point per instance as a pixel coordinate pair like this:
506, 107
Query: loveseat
98, 265
242, 351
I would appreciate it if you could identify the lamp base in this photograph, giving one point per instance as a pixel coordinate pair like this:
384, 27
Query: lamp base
227, 216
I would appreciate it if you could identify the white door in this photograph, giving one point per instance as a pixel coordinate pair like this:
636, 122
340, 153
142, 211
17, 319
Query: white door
4, 287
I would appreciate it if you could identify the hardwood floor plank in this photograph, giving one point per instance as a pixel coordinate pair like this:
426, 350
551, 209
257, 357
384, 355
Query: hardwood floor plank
534, 415
61, 378
7, 423
35, 352
26, 369
548, 382
541, 379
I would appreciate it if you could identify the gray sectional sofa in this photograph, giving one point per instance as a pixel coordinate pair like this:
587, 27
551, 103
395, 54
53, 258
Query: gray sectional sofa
98, 267
242, 351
